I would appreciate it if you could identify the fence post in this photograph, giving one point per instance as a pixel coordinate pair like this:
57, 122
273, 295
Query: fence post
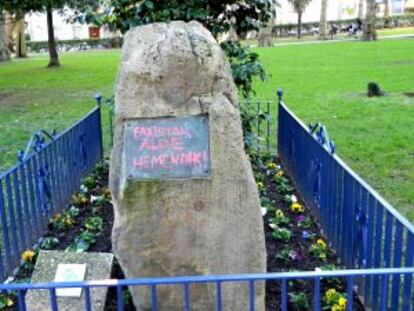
98, 98
280, 95
279, 119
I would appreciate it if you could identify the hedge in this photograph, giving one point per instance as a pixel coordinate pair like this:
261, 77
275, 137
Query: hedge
77, 44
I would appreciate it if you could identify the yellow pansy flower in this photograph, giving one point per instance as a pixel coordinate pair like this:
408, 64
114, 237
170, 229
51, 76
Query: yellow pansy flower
279, 213
321, 243
337, 307
271, 166
57, 217
296, 207
330, 294
342, 302
27, 256
9, 302
280, 173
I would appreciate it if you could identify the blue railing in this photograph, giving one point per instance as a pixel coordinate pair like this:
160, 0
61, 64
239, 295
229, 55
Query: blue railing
261, 113
364, 230
350, 276
42, 183
371, 239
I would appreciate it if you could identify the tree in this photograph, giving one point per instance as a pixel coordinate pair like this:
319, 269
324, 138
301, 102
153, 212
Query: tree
370, 32
323, 24
361, 9
299, 6
19, 36
22, 7
4, 49
218, 16
387, 9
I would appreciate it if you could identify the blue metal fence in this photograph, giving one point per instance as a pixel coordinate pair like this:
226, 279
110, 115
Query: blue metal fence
364, 230
262, 112
350, 276
372, 240
42, 184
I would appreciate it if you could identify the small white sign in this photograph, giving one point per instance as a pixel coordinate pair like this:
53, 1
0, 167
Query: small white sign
70, 273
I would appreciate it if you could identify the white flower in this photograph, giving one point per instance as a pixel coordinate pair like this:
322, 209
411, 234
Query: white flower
293, 198
94, 198
83, 189
273, 226
264, 211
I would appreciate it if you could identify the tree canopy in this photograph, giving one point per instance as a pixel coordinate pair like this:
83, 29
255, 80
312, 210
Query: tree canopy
218, 16
299, 6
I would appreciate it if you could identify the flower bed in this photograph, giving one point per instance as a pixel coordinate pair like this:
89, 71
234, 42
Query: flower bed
85, 227
293, 239
294, 243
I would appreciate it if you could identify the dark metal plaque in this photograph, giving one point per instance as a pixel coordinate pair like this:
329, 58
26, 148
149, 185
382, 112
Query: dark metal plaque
169, 147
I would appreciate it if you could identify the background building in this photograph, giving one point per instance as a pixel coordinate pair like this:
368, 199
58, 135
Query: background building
37, 28
337, 10
284, 14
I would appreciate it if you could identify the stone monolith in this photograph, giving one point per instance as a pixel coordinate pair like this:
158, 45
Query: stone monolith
185, 199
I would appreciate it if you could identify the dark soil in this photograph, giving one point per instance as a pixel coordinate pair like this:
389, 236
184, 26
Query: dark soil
273, 289
306, 262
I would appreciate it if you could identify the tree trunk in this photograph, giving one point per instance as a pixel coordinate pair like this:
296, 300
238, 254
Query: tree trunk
323, 24
361, 9
299, 25
273, 10
20, 40
370, 32
9, 31
4, 49
53, 55
387, 9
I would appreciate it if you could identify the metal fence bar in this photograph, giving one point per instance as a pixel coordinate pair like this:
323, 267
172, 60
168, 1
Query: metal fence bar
264, 128
186, 297
5, 233
18, 206
154, 298
119, 298
349, 292
87, 296
21, 300
317, 294
251, 295
25, 203
408, 292
384, 293
53, 299
398, 239
204, 279
284, 295
42, 183
218, 296
12, 219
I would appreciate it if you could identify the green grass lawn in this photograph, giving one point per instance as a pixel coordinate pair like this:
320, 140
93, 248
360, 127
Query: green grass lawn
323, 82
327, 83
33, 97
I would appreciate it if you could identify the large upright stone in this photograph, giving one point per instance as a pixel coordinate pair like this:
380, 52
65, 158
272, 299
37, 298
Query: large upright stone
196, 222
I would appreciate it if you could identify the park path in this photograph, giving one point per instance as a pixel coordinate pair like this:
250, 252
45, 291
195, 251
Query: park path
404, 36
